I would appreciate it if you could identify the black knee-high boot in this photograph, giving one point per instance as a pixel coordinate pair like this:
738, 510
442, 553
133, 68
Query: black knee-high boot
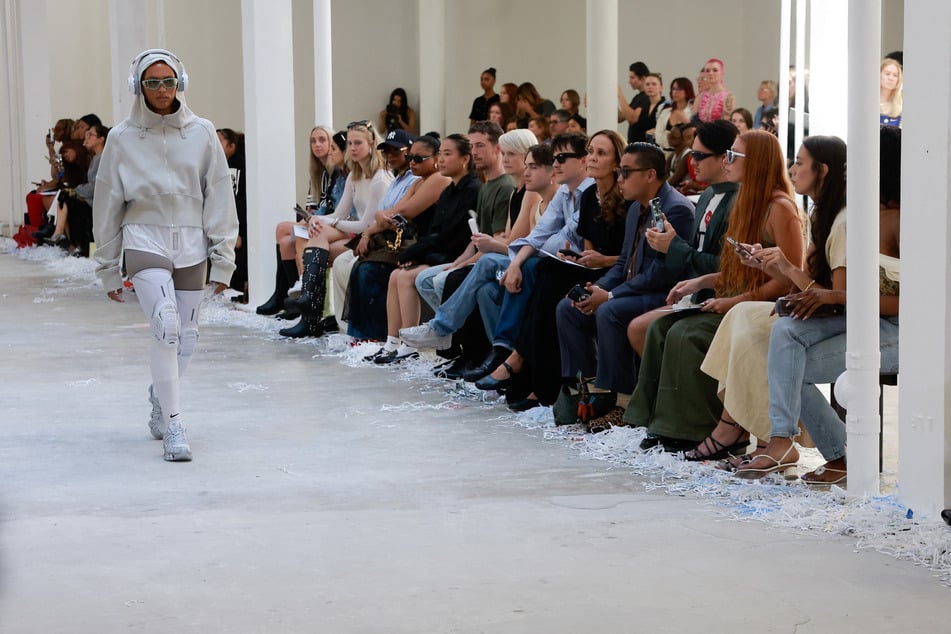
312, 296
285, 277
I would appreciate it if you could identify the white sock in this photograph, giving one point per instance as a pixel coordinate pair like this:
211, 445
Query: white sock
392, 343
405, 350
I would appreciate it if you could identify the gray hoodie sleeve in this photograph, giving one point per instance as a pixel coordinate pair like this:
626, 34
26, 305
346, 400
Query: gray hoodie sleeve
219, 215
87, 190
107, 210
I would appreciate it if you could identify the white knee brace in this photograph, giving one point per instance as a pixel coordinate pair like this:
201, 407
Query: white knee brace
188, 342
165, 324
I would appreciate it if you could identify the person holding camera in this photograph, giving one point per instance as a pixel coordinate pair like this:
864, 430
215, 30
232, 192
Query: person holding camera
398, 115
592, 320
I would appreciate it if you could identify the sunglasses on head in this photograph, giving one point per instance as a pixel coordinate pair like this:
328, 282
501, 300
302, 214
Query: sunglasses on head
417, 158
154, 84
561, 157
731, 156
359, 124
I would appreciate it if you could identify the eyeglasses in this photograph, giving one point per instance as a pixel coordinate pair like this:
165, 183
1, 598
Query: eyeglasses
698, 156
624, 171
417, 158
561, 157
154, 84
731, 156
359, 124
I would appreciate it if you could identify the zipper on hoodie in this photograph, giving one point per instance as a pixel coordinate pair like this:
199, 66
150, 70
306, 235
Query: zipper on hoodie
176, 234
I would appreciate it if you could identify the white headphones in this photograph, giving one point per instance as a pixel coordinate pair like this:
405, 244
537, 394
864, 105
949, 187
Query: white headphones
135, 86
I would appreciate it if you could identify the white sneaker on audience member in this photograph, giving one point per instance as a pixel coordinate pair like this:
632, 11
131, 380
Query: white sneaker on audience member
176, 443
424, 336
295, 290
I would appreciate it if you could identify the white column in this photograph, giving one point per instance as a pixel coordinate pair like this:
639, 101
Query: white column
323, 65
785, 37
134, 26
801, 74
35, 76
268, 61
924, 409
862, 353
432, 66
601, 64
13, 177
828, 94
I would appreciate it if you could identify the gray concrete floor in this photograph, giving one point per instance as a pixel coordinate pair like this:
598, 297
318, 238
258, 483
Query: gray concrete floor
307, 509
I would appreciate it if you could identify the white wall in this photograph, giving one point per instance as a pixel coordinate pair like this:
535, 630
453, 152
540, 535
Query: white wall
375, 51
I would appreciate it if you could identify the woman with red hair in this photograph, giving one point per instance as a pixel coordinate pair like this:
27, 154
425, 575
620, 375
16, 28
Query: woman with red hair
674, 399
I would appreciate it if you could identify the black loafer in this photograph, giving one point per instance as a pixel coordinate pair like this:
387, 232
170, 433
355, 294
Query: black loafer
494, 360
524, 404
499, 385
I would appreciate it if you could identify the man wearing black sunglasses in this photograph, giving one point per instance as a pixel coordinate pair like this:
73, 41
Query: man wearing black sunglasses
592, 332
699, 253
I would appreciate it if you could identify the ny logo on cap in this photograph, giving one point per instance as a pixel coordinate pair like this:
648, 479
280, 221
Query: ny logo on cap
391, 135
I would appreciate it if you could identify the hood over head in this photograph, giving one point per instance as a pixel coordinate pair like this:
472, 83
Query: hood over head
141, 115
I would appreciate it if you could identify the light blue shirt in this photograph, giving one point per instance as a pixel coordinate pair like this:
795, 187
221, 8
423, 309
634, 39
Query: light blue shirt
397, 189
557, 224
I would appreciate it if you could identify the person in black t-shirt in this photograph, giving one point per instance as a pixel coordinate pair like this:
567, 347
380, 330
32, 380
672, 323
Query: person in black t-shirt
480, 105
637, 72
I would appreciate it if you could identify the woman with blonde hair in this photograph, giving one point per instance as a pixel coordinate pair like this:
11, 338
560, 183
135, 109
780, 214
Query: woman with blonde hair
325, 177
365, 187
889, 93
673, 399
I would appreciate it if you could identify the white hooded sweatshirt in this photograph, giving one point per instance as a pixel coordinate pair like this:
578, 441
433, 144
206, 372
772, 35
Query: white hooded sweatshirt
167, 172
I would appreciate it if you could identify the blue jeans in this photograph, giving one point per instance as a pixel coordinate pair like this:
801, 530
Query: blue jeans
430, 284
481, 285
514, 306
803, 354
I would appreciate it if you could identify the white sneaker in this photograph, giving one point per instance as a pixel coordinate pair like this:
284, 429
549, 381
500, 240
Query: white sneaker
424, 336
156, 420
176, 443
295, 290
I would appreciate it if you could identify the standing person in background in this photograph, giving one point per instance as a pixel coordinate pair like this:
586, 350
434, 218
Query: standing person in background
571, 101
767, 94
889, 93
742, 119
233, 145
166, 207
674, 112
480, 105
530, 104
507, 99
716, 101
631, 113
398, 115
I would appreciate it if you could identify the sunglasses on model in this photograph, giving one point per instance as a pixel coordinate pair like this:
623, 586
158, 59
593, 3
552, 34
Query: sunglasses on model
561, 157
731, 156
154, 84
417, 158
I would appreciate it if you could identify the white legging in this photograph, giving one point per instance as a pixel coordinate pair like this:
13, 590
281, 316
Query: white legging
173, 316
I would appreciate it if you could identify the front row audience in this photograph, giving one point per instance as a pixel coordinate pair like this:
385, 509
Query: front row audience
575, 266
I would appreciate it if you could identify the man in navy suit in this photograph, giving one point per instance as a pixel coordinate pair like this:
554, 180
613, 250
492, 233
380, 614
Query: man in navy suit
592, 333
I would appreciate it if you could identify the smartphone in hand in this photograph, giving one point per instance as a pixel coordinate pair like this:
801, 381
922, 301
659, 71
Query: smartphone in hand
739, 248
569, 253
657, 215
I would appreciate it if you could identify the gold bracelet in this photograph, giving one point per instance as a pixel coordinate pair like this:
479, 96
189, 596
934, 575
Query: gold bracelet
808, 286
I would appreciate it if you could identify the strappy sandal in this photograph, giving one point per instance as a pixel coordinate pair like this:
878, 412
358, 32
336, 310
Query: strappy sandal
817, 477
746, 472
737, 462
713, 449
